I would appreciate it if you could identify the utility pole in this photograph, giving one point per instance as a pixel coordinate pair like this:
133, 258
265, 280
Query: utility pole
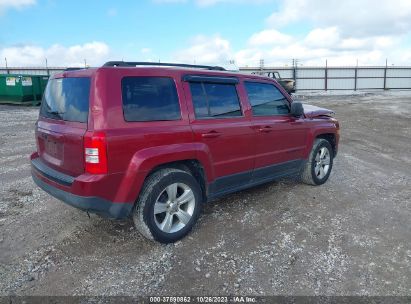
7, 68
355, 76
385, 74
295, 64
47, 68
261, 65
85, 63
326, 75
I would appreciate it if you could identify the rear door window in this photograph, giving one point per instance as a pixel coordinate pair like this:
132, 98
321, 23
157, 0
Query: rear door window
215, 100
66, 99
150, 99
266, 99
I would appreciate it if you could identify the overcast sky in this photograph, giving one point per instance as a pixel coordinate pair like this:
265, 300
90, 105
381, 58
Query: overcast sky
205, 31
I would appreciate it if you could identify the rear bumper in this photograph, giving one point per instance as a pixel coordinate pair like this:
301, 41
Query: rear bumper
46, 179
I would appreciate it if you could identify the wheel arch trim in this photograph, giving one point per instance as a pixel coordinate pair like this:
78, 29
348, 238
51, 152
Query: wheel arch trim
145, 161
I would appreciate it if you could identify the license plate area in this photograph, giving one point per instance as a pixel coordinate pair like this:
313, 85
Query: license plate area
52, 148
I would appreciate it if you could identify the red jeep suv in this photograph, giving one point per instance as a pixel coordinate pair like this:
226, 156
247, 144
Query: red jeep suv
155, 141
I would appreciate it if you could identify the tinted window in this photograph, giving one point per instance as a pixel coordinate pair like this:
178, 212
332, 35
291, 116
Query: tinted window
200, 102
266, 99
150, 98
215, 100
66, 99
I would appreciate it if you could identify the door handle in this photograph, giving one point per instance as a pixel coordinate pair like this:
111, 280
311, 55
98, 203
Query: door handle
211, 134
265, 129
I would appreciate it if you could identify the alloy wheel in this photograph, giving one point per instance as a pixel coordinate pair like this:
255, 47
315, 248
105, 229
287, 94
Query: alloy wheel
174, 207
322, 163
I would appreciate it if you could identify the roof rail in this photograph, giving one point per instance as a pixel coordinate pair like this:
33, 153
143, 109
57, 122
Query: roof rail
74, 69
183, 65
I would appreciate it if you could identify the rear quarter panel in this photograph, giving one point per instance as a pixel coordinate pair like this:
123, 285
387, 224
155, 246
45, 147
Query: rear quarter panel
135, 148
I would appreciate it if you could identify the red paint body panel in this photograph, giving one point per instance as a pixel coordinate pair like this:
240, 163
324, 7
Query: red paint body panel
280, 138
134, 149
60, 145
229, 141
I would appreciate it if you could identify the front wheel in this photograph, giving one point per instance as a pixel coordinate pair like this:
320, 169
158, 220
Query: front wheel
168, 206
320, 162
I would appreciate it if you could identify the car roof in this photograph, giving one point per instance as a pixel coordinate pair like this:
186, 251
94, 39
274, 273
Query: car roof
171, 70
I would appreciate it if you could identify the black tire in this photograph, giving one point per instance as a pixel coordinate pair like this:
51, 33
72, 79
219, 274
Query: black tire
308, 173
154, 190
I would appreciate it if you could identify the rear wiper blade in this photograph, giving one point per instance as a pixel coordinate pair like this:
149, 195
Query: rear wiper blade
55, 112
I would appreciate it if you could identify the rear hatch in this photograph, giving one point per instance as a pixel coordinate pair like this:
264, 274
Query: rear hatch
62, 124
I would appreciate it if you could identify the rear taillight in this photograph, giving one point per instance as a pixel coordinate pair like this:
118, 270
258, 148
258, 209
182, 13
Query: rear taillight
95, 152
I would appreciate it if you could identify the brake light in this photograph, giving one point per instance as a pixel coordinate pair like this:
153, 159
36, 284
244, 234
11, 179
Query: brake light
95, 152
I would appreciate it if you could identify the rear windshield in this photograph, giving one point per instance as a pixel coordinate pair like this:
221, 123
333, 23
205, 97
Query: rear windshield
66, 99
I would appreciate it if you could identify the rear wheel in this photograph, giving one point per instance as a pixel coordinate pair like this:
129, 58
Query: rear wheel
318, 167
168, 206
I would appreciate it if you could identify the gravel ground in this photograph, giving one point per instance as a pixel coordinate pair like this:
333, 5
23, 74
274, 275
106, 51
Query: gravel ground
351, 236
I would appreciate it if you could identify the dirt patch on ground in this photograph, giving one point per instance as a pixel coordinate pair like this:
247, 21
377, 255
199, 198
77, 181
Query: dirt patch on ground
350, 236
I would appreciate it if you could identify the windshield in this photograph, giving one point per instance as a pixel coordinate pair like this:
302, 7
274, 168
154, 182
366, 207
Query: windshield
66, 99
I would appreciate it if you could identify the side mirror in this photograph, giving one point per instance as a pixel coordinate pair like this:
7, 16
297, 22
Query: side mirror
297, 109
